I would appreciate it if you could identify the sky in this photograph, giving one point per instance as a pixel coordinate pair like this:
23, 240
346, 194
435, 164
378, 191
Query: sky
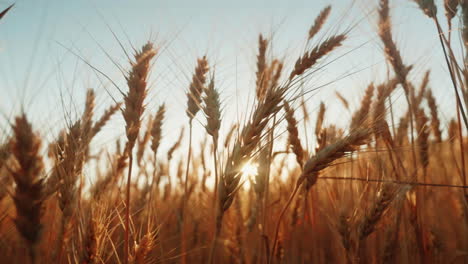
50, 50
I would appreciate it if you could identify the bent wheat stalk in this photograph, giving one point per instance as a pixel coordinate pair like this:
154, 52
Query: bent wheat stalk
321, 161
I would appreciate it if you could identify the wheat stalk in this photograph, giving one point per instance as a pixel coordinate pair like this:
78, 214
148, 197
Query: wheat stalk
143, 249
212, 110
384, 197
320, 161
319, 22
422, 129
176, 145
143, 141
196, 88
262, 67
134, 108
156, 129
28, 196
98, 125
243, 151
435, 122
450, 11
293, 135
193, 106
309, 59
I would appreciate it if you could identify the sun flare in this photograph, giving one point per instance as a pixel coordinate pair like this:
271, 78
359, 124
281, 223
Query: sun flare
250, 169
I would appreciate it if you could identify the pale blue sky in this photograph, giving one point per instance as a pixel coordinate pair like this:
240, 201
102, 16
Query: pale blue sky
38, 71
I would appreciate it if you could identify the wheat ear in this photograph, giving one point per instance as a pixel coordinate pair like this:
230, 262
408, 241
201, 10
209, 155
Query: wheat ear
319, 22
293, 135
309, 59
28, 196
261, 67
435, 121
212, 110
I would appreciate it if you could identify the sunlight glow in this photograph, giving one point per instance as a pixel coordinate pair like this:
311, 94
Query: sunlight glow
250, 170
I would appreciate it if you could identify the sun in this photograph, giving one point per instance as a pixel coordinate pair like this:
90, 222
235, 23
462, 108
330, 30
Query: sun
250, 170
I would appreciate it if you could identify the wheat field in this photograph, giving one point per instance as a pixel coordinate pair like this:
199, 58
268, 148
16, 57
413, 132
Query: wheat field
281, 184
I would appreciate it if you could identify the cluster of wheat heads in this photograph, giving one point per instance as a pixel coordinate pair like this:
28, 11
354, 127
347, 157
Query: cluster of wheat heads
383, 189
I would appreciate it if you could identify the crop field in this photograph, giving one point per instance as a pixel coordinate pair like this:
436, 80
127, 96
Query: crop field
307, 155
